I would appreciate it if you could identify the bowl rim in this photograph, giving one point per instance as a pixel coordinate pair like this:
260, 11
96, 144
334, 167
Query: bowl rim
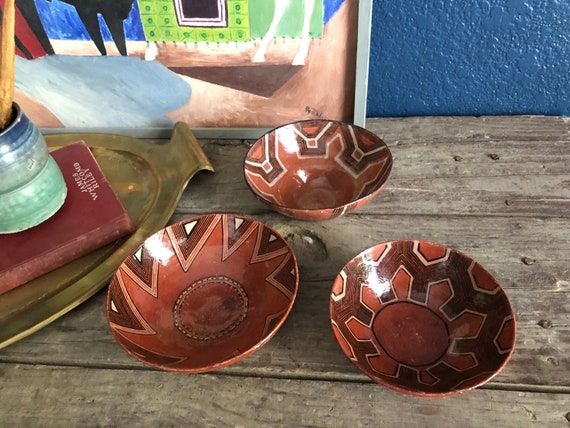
270, 334
417, 393
278, 206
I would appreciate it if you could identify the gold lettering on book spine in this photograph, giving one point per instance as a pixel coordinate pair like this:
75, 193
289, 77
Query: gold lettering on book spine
85, 180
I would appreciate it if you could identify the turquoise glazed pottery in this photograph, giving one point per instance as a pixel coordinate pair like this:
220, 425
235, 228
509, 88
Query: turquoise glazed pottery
32, 187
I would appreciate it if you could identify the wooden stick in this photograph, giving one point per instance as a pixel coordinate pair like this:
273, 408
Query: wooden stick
7, 63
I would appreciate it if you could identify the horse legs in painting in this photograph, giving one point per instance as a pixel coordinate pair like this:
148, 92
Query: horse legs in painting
113, 11
91, 23
115, 25
280, 8
305, 37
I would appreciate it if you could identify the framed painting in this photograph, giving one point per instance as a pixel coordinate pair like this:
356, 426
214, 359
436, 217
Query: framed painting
227, 68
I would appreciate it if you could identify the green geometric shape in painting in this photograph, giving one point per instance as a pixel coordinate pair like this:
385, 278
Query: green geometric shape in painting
261, 15
159, 22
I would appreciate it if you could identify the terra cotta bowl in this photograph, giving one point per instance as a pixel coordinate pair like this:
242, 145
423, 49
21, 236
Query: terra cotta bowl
422, 318
202, 293
317, 169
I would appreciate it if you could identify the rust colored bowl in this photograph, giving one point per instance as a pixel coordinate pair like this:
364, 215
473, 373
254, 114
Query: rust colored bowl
317, 169
421, 318
202, 293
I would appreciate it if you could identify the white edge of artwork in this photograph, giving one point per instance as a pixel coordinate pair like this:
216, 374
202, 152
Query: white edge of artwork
360, 96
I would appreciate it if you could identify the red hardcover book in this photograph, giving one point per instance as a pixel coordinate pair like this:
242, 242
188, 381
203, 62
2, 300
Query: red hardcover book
91, 217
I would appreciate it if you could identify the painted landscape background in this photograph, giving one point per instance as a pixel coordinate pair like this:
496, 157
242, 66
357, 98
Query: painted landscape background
74, 69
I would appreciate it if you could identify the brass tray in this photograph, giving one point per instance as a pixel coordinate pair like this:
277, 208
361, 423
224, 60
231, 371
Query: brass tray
148, 178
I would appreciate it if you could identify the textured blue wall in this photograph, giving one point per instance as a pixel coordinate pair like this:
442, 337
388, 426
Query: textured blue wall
480, 57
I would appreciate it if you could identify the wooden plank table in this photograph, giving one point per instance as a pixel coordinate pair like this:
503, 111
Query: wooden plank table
496, 188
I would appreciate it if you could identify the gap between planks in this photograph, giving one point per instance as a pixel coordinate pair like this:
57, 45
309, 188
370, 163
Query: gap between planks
240, 373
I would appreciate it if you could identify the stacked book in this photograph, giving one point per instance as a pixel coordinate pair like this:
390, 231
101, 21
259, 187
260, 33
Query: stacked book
91, 217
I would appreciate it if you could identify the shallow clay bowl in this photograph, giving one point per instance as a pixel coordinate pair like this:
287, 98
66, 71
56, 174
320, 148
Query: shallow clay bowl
421, 318
317, 169
202, 293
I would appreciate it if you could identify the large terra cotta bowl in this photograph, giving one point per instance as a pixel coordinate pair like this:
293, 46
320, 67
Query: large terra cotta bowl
317, 169
202, 293
421, 318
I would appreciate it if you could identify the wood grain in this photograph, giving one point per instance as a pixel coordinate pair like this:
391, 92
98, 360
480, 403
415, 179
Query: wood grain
301, 378
434, 175
95, 397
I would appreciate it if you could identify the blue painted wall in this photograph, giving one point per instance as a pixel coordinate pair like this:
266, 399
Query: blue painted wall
479, 57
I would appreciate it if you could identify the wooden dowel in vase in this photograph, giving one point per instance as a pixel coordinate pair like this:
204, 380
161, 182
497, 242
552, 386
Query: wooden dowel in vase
7, 63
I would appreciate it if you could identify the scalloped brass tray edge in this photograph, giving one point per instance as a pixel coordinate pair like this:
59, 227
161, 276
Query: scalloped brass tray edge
37, 303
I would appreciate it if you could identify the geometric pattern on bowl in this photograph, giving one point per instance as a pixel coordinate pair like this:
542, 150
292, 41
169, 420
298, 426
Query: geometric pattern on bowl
421, 318
317, 169
202, 293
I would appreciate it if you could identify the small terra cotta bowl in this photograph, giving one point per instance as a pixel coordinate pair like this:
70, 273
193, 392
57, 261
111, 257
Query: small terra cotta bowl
317, 169
421, 318
202, 293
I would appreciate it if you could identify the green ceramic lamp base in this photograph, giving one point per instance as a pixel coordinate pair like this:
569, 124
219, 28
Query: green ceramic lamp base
32, 188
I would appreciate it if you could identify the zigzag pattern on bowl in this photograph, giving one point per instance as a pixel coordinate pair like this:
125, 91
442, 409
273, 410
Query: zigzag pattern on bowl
156, 299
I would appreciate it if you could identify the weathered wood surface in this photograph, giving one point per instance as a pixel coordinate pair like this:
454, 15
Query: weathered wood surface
75, 396
496, 188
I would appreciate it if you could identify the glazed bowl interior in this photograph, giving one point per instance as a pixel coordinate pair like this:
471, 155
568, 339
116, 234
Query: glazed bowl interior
202, 293
422, 318
317, 169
